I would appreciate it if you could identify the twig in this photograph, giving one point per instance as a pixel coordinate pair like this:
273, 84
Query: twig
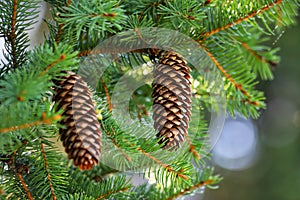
192, 148
256, 55
59, 32
248, 16
62, 57
12, 36
60, 26
202, 183
110, 106
44, 120
48, 173
224, 72
118, 147
247, 101
111, 50
24, 186
167, 167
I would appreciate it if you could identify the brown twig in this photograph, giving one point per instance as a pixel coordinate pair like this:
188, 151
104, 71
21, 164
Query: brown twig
202, 183
192, 148
136, 30
248, 16
110, 193
48, 173
119, 148
62, 57
256, 55
224, 72
110, 106
247, 101
111, 50
24, 186
105, 15
44, 120
60, 27
12, 36
167, 167
59, 32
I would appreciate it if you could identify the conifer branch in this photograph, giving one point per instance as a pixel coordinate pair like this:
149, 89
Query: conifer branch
48, 172
224, 72
24, 186
141, 37
61, 58
112, 192
194, 152
256, 55
191, 146
202, 183
60, 27
159, 162
240, 20
118, 147
43, 120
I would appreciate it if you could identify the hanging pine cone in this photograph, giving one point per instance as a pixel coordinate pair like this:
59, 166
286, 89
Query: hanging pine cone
171, 99
81, 132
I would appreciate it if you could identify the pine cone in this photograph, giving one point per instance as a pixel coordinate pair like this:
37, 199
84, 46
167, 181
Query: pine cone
81, 135
171, 99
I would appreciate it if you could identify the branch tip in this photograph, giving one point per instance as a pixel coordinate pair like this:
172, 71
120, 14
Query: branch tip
248, 16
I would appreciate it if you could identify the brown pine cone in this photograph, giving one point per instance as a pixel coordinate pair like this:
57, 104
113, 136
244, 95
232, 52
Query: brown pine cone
171, 95
81, 133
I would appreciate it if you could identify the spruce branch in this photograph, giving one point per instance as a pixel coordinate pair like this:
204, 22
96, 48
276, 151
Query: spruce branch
16, 18
187, 190
165, 166
60, 27
240, 20
137, 148
192, 147
107, 188
97, 18
61, 58
128, 158
259, 57
44, 120
224, 72
48, 171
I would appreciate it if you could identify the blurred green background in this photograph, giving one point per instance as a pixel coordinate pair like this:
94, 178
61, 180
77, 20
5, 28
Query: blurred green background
275, 173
